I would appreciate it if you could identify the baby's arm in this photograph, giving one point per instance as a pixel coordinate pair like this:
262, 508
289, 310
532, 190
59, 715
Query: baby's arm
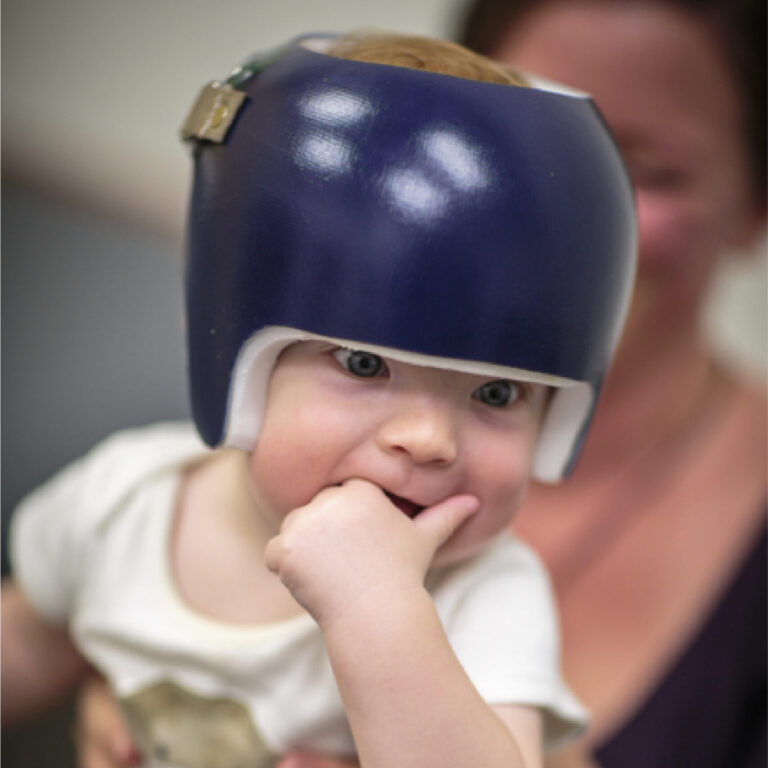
358, 565
39, 662
408, 699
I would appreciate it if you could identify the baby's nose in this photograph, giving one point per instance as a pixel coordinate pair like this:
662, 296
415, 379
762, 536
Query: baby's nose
425, 431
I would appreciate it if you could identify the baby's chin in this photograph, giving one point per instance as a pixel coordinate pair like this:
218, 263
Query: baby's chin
463, 545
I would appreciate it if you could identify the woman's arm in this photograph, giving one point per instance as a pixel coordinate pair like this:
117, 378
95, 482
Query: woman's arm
39, 662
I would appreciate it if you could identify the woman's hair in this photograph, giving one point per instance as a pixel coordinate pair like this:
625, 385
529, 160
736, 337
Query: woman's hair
737, 27
426, 53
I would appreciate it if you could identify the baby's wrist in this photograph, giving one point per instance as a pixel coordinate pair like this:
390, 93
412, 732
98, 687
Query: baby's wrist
385, 605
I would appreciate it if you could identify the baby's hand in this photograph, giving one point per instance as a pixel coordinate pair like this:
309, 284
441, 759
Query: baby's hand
351, 543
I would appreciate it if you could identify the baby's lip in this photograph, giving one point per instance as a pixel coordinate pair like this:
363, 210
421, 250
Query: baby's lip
406, 506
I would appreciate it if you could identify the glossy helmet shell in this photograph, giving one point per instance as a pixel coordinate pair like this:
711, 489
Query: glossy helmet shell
442, 221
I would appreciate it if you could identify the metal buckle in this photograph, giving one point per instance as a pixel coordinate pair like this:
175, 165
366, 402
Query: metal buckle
213, 113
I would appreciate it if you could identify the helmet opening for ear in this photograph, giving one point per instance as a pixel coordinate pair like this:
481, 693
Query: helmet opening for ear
565, 418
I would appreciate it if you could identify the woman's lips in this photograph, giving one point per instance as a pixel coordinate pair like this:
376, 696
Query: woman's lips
406, 506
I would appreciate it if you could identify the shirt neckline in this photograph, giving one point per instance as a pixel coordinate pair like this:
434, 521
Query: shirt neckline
196, 620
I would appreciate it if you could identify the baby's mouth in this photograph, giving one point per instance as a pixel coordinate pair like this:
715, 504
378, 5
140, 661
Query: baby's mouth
406, 506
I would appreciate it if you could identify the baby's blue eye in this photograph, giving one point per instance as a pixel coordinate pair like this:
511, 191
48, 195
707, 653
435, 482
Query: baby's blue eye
497, 393
360, 363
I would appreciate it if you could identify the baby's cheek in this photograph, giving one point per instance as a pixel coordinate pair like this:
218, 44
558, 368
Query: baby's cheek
508, 472
506, 505
278, 471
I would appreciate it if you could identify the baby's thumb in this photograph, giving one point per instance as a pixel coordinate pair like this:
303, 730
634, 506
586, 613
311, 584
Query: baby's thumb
441, 521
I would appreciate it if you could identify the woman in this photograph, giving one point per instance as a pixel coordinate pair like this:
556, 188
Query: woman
656, 545
666, 510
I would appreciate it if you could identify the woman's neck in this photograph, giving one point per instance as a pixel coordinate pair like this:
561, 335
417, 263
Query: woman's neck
655, 387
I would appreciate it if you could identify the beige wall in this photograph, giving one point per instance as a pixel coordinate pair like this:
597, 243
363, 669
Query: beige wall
94, 91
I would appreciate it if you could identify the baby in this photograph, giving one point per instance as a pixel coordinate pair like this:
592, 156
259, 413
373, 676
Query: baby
403, 290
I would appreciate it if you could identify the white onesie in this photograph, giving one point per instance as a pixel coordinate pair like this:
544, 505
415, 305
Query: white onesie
91, 548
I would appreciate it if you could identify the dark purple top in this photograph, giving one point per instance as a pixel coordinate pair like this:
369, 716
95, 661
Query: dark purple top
710, 710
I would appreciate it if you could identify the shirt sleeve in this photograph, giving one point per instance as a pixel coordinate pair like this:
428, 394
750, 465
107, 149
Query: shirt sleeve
55, 529
45, 539
501, 621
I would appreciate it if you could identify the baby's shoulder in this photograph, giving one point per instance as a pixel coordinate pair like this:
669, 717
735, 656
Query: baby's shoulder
60, 527
506, 572
505, 556
124, 461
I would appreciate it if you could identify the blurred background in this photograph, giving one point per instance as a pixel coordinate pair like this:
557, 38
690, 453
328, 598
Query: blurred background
94, 186
94, 190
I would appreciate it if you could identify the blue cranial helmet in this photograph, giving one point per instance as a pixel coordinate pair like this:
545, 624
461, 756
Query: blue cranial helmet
432, 219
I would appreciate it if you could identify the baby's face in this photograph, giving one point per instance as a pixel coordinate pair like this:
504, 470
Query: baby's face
420, 434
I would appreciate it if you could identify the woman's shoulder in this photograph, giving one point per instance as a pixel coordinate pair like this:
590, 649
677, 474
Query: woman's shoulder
734, 465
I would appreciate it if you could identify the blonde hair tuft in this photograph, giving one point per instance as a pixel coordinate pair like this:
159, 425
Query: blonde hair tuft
414, 52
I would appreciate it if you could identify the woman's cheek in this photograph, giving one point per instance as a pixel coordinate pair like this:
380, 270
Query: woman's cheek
671, 232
